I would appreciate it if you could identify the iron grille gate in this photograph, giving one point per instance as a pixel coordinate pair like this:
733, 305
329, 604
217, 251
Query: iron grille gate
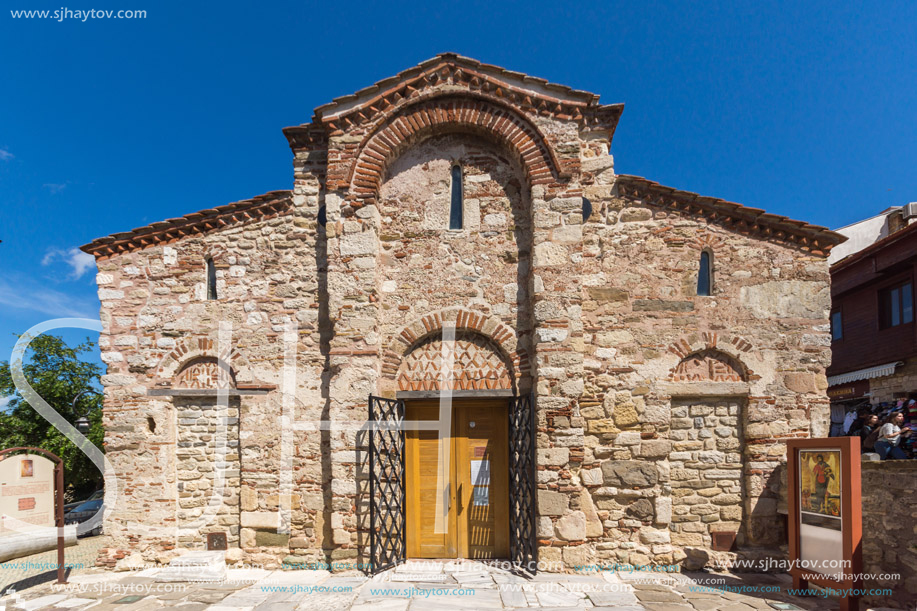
386, 483
522, 483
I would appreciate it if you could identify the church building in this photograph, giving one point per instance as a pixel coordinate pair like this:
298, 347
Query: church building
461, 334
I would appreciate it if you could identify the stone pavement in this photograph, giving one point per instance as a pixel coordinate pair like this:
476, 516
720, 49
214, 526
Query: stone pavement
28, 571
414, 586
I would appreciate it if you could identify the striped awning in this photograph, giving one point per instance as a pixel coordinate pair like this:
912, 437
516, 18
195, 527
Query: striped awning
864, 374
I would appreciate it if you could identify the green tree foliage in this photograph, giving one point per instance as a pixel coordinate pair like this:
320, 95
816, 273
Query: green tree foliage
58, 374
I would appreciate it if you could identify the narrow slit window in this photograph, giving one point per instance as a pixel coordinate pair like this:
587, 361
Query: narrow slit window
211, 280
455, 211
704, 275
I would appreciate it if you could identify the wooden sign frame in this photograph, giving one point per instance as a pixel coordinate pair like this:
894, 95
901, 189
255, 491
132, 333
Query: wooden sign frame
851, 515
58, 498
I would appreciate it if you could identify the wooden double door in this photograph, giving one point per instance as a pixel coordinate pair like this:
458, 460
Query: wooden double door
457, 487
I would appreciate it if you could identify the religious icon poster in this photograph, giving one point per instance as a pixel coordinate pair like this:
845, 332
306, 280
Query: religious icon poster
820, 482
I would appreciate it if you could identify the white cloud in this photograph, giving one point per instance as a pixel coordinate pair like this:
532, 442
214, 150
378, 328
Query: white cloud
54, 188
4, 401
5, 155
78, 260
25, 295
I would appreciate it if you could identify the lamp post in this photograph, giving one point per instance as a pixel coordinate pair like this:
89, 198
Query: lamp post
82, 423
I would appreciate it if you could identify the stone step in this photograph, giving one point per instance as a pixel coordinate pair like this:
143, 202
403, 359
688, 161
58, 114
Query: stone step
196, 566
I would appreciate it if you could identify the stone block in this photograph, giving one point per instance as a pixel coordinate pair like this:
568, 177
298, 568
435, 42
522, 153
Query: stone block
625, 414
663, 510
591, 477
641, 509
267, 538
654, 448
786, 299
654, 536
549, 254
553, 456
601, 425
571, 527
629, 473
800, 382
631, 215
248, 498
552, 503
355, 244
607, 294
575, 558
260, 519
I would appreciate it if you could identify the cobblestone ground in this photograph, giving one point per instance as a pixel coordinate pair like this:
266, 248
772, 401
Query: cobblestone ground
29, 571
414, 586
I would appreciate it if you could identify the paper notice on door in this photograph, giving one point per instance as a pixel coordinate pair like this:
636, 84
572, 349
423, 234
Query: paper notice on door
481, 496
480, 472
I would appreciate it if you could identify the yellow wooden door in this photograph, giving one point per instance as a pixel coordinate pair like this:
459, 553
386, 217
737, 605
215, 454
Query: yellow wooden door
428, 481
473, 488
482, 479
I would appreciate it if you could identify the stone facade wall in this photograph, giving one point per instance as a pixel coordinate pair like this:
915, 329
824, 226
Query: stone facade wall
156, 321
661, 415
661, 361
424, 267
889, 524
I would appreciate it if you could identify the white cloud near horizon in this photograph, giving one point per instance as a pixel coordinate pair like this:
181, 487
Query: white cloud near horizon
25, 295
54, 188
79, 261
5, 155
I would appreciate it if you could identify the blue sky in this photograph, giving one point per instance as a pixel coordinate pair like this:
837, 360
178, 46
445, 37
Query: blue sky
801, 108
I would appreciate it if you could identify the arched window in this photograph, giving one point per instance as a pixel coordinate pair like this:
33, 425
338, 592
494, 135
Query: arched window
455, 211
211, 280
705, 275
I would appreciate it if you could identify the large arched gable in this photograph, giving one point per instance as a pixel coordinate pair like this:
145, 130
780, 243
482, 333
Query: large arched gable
447, 114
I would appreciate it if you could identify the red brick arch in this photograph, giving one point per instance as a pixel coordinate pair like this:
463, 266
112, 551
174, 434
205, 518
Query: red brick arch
502, 337
191, 349
440, 115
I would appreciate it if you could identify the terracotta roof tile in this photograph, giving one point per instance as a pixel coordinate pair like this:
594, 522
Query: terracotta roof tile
202, 221
369, 93
772, 227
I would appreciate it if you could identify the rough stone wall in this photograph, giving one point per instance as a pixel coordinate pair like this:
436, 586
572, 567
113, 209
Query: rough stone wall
667, 434
889, 524
156, 320
425, 267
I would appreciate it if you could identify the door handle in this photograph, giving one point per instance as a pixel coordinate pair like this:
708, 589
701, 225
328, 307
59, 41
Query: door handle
460, 505
447, 491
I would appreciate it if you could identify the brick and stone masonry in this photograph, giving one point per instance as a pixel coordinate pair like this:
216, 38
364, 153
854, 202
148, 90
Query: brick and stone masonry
661, 415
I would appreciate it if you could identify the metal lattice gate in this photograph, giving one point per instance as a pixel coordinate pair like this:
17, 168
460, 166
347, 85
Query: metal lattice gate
386, 483
522, 483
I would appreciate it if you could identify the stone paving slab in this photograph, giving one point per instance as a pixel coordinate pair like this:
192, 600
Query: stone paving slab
414, 586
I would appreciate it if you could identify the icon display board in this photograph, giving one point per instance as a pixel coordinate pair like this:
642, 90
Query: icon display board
825, 514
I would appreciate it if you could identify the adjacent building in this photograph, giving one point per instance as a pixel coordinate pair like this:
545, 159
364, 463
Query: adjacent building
460, 334
874, 344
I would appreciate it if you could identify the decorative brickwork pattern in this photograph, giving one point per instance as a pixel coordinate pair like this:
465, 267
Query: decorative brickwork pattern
475, 365
708, 366
205, 372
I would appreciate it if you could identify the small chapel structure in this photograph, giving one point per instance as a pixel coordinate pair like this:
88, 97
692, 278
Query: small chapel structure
460, 334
